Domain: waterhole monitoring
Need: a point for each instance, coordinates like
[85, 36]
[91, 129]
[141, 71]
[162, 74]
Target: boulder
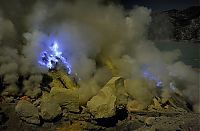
[27, 112]
[66, 98]
[50, 110]
[58, 97]
[103, 105]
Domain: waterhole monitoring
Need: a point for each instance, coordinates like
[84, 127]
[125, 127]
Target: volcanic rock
[149, 121]
[64, 91]
[174, 103]
[156, 105]
[135, 105]
[66, 98]
[183, 24]
[61, 79]
[184, 122]
[37, 102]
[27, 112]
[58, 97]
[122, 96]
[178, 102]
[49, 109]
[103, 105]
[75, 116]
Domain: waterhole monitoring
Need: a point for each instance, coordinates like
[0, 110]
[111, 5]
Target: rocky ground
[111, 109]
[152, 121]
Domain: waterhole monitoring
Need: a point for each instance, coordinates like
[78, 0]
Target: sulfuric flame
[52, 56]
[147, 74]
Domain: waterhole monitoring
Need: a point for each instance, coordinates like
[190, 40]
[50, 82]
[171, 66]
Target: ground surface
[155, 121]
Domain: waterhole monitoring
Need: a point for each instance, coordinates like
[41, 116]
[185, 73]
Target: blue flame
[147, 74]
[52, 55]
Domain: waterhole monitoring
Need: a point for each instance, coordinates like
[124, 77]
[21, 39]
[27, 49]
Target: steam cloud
[91, 36]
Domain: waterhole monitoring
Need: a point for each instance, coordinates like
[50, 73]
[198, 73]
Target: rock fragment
[27, 112]
[103, 105]
[50, 110]
[135, 105]
[66, 98]
[149, 121]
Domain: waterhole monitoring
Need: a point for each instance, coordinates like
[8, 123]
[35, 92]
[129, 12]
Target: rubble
[177, 122]
[174, 103]
[112, 106]
[156, 104]
[103, 105]
[63, 94]
[101, 112]
[58, 97]
[75, 126]
[73, 116]
[27, 112]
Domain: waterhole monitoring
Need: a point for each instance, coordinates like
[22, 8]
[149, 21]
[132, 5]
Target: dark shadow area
[55, 120]
[121, 114]
[3, 117]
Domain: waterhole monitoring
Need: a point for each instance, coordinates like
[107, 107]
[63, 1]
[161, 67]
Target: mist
[99, 41]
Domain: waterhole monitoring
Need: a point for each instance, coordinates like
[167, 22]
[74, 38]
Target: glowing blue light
[147, 74]
[51, 56]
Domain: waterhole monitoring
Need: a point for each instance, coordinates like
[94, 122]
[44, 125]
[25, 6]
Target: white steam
[91, 37]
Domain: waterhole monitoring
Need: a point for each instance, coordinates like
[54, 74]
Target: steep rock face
[177, 24]
[27, 112]
[103, 105]
[186, 23]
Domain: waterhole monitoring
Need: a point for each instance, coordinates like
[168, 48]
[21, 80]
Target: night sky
[160, 4]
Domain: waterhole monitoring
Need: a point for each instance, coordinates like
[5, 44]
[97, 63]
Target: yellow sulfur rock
[103, 105]
[61, 79]
[135, 106]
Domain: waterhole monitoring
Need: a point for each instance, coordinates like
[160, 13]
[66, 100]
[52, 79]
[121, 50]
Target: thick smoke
[13, 65]
[99, 42]
[8, 55]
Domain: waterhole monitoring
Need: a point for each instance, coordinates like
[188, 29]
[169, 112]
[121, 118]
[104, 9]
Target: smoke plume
[99, 41]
